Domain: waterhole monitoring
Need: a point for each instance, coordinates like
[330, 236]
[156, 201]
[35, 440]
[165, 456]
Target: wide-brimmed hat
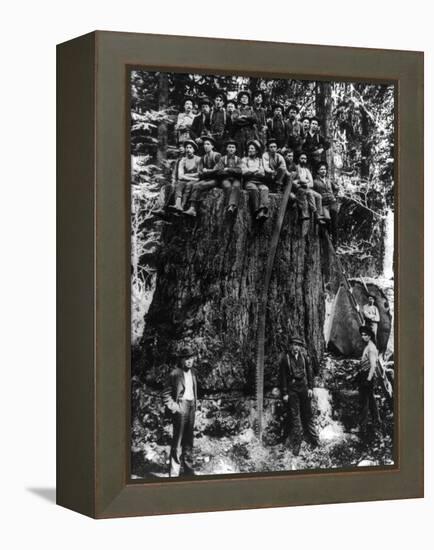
[312, 118]
[364, 329]
[244, 92]
[297, 340]
[255, 143]
[277, 106]
[190, 142]
[206, 137]
[185, 351]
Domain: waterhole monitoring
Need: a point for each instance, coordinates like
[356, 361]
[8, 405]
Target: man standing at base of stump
[180, 397]
[366, 382]
[296, 385]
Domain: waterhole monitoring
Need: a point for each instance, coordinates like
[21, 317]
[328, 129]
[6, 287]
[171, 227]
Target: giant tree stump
[210, 275]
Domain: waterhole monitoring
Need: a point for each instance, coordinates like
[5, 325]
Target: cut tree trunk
[209, 280]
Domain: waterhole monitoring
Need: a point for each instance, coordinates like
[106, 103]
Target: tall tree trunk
[324, 111]
[163, 99]
[209, 280]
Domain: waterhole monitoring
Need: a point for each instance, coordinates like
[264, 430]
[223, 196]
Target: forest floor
[225, 442]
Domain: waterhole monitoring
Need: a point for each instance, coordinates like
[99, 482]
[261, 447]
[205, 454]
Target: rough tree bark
[210, 274]
[163, 100]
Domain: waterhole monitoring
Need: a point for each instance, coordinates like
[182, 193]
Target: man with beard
[274, 167]
[253, 174]
[315, 145]
[307, 198]
[296, 386]
[277, 127]
[244, 121]
[218, 121]
[327, 189]
[180, 397]
[261, 116]
[208, 170]
[229, 170]
[184, 121]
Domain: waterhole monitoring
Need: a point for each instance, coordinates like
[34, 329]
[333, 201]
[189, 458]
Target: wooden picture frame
[93, 362]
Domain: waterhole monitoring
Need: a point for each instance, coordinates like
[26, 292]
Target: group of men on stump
[230, 140]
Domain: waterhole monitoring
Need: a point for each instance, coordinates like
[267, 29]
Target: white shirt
[188, 381]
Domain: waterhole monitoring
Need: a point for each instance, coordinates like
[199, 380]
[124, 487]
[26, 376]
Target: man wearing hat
[277, 127]
[371, 314]
[315, 145]
[366, 380]
[293, 127]
[244, 122]
[307, 197]
[327, 188]
[180, 397]
[229, 171]
[188, 173]
[218, 121]
[208, 171]
[274, 167]
[261, 116]
[252, 169]
[201, 123]
[184, 121]
[296, 386]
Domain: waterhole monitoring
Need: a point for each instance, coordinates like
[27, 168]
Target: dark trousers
[368, 404]
[277, 182]
[232, 189]
[166, 195]
[258, 195]
[301, 417]
[331, 211]
[202, 187]
[181, 450]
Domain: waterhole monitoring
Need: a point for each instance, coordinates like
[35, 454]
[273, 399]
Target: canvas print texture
[262, 276]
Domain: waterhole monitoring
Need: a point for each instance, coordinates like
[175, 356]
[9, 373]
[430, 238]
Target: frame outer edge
[75, 384]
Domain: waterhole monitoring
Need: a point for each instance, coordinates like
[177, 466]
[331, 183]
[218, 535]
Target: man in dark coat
[261, 116]
[180, 397]
[218, 121]
[296, 385]
[243, 122]
[315, 145]
[201, 123]
[277, 128]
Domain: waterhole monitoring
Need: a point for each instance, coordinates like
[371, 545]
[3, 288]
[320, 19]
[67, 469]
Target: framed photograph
[240, 270]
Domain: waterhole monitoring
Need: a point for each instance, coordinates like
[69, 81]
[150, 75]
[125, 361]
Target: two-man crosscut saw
[262, 310]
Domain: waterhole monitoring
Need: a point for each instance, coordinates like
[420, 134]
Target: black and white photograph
[262, 274]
